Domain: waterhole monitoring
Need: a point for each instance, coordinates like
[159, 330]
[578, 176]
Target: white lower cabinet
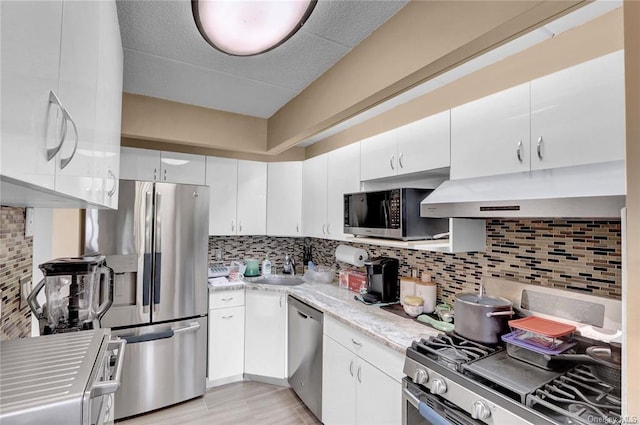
[226, 337]
[360, 379]
[265, 336]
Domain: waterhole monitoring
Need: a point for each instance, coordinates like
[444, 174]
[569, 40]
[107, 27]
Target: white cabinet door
[491, 135]
[77, 89]
[182, 168]
[343, 176]
[222, 179]
[425, 144]
[139, 164]
[30, 52]
[226, 342]
[577, 114]
[314, 196]
[378, 156]
[108, 107]
[252, 198]
[338, 384]
[378, 397]
[284, 198]
[265, 334]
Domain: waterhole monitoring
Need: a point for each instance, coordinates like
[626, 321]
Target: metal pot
[481, 318]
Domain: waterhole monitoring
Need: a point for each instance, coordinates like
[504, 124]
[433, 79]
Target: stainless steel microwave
[393, 214]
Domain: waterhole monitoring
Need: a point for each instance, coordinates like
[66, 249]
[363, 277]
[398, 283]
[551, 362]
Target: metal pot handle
[500, 313]
[32, 300]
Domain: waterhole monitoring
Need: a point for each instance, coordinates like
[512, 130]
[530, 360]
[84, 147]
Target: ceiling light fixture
[247, 28]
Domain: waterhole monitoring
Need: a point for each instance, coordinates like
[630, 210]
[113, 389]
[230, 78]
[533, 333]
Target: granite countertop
[390, 329]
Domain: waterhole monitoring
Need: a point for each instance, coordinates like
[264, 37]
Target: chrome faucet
[289, 265]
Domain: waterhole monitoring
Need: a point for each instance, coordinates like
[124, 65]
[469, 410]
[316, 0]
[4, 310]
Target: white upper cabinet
[62, 85]
[425, 144]
[577, 114]
[252, 198]
[30, 68]
[170, 167]
[343, 176]
[378, 157]
[314, 196]
[108, 108]
[284, 198]
[416, 147]
[222, 179]
[491, 135]
[182, 168]
[139, 164]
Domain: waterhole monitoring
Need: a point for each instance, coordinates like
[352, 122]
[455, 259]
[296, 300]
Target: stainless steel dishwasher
[305, 354]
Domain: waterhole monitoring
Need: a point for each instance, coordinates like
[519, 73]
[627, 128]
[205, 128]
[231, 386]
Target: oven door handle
[426, 412]
[107, 387]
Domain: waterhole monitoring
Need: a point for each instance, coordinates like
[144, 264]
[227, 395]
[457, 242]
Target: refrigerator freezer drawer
[164, 364]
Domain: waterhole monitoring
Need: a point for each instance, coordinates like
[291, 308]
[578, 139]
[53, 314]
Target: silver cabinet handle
[232, 226]
[360, 374]
[280, 302]
[539, 148]
[155, 174]
[400, 160]
[65, 161]
[226, 299]
[297, 228]
[351, 367]
[519, 151]
[328, 231]
[323, 232]
[240, 226]
[391, 162]
[227, 317]
[356, 343]
[51, 152]
[193, 326]
[115, 182]
[107, 387]
[165, 174]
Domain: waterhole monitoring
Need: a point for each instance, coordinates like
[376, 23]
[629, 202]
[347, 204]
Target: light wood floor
[234, 404]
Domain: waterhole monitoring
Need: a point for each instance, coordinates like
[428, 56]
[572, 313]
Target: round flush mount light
[247, 28]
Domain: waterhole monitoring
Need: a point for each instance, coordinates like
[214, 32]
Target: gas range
[452, 380]
[466, 382]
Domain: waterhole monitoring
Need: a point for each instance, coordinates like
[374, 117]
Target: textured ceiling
[165, 56]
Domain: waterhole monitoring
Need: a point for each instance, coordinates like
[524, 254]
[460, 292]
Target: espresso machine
[78, 290]
[382, 280]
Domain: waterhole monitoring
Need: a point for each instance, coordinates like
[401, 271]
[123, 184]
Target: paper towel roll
[353, 256]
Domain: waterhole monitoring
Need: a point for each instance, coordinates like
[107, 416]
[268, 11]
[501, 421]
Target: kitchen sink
[276, 279]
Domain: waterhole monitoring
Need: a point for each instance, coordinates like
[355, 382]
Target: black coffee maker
[382, 280]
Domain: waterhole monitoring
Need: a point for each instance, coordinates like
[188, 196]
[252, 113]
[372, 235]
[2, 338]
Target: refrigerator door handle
[146, 268]
[157, 272]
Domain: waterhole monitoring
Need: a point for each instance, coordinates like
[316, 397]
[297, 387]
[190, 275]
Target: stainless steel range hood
[593, 190]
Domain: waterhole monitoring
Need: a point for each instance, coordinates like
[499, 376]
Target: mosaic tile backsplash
[15, 262]
[577, 255]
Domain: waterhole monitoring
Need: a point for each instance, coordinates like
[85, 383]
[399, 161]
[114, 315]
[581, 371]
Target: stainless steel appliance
[382, 280]
[393, 214]
[305, 354]
[156, 243]
[60, 379]
[451, 379]
[79, 291]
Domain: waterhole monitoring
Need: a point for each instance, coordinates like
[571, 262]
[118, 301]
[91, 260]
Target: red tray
[540, 326]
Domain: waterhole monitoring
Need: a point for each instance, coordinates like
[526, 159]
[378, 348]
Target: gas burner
[452, 350]
[578, 397]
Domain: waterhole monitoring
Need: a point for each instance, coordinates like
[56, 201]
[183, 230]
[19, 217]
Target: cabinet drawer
[384, 358]
[225, 299]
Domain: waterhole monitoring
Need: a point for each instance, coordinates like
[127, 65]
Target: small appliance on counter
[382, 280]
[79, 291]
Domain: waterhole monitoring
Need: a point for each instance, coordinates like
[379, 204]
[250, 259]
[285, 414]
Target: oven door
[419, 407]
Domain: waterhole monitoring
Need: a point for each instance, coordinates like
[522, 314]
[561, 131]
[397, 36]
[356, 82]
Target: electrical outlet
[28, 223]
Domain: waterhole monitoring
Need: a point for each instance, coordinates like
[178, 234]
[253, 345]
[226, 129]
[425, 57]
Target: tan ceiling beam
[153, 119]
[421, 41]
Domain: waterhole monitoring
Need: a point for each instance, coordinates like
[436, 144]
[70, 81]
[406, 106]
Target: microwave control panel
[394, 209]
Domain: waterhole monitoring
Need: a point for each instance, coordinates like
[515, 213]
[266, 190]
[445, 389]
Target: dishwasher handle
[304, 310]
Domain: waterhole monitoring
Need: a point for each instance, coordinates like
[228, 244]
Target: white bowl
[413, 310]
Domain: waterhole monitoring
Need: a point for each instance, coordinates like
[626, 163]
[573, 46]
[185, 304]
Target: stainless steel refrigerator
[156, 243]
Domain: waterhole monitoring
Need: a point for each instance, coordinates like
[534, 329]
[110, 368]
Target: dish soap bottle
[266, 266]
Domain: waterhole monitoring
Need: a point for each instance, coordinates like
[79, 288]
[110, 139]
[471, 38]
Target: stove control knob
[420, 376]
[480, 410]
[438, 386]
